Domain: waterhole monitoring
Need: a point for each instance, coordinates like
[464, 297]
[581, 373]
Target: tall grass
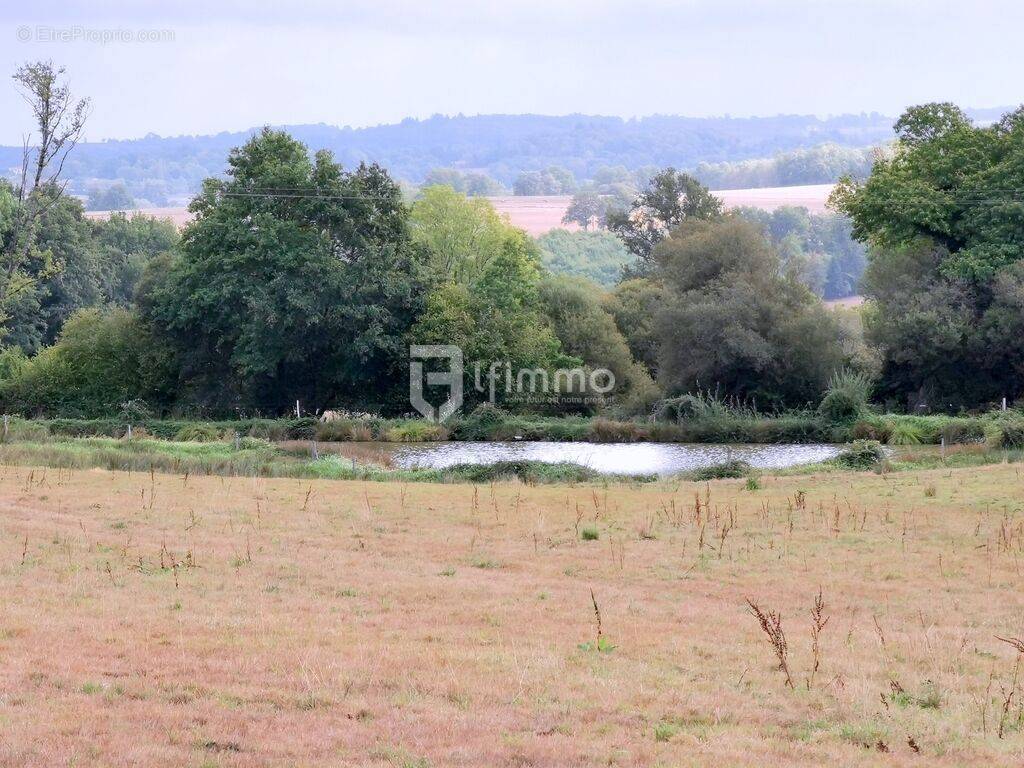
[259, 458]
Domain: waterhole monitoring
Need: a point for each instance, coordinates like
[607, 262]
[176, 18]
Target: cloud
[233, 64]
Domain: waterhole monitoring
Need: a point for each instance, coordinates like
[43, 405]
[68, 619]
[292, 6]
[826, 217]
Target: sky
[204, 66]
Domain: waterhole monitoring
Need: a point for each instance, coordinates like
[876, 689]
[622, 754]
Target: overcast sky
[232, 64]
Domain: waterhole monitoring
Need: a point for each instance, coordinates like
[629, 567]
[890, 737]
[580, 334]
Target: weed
[664, 731]
[771, 625]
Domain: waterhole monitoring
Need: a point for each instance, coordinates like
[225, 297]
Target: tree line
[157, 169]
[300, 280]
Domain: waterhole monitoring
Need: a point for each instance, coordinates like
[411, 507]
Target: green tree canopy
[597, 256]
[587, 330]
[950, 183]
[670, 198]
[461, 235]
[945, 222]
[297, 280]
[101, 360]
[735, 322]
[495, 315]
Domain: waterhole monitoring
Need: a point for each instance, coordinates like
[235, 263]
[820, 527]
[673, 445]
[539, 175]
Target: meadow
[175, 619]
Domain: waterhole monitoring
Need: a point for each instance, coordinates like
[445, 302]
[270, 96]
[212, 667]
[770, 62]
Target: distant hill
[161, 171]
[164, 169]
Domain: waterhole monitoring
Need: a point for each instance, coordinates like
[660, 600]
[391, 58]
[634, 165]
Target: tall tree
[945, 222]
[461, 235]
[734, 321]
[297, 280]
[578, 312]
[670, 198]
[59, 121]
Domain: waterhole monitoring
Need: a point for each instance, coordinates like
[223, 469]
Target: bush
[871, 430]
[905, 433]
[416, 432]
[101, 360]
[268, 429]
[862, 454]
[846, 398]
[604, 431]
[23, 430]
[531, 472]
[198, 433]
[481, 424]
[302, 429]
[335, 431]
[1005, 430]
[729, 469]
[963, 431]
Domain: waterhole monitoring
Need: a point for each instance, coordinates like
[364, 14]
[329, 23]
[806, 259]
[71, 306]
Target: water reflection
[611, 458]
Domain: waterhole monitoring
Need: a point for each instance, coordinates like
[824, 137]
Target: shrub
[1005, 430]
[862, 454]
[871, 430]
[847, 396]
[416, 432]
[101, 360]
[24, 430]
[362, 432]
[604, 431]
[728, 469]
[530, 472]
[481, 424]
[198, 433]
[335, 431]
[253, 444]
[963, 431]
[302, 429]
[268, 429]
[905, 433]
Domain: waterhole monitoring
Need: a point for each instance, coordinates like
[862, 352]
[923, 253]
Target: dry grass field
[541, 213]
[206, 621]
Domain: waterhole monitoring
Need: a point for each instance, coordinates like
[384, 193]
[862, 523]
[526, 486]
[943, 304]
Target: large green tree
[297, 281]
[494, 314]
[670, 198]
[586, 329]
[461, 235]
[735, 322]
[59, 122]
[945, 221]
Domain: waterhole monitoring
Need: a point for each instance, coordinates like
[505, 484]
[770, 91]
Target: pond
[609, 458]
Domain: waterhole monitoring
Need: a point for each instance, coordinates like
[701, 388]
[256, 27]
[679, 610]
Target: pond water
[610, 458]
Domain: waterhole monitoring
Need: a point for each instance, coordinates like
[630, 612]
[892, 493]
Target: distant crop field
[539, 214]
[169, 620]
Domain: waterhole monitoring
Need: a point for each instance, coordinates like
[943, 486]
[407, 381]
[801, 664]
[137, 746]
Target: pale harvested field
[205, 621]
[539, 214]
[849, 302]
